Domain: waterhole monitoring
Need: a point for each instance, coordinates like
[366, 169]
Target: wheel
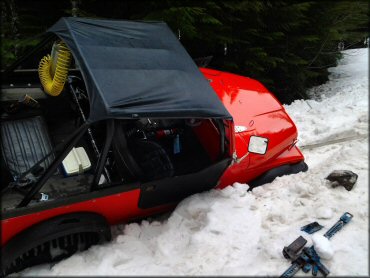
[282, 170]
[54, 239]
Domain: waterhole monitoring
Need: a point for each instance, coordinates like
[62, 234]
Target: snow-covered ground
[235, 232]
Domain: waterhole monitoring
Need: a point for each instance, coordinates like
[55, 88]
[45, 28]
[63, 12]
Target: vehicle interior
[36, 127]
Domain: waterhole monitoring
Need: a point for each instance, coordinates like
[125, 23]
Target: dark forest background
[287, 45]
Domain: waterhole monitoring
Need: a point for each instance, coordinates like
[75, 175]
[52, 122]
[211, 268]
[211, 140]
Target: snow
[324, 212]
[322, 246]
[235, 232]
[339, 108]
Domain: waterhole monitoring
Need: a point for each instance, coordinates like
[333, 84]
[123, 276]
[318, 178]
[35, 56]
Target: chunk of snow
[322, 246]
[324, 212]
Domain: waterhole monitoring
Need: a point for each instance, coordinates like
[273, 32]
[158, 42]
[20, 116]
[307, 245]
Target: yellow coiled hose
[53, 85]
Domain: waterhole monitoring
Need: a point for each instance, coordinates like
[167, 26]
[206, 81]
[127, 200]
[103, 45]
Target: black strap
[24, 174]
[53, 151]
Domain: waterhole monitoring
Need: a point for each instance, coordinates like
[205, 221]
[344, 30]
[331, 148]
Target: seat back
[25, 142]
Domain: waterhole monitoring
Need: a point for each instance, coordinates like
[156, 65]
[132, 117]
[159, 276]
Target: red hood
[243, 97]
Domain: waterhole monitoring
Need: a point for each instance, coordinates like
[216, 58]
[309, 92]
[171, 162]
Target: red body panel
[115, 208]
[251, 106]
[255, 108]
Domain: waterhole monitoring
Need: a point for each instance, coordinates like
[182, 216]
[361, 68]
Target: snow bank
[339, 107]
[235, 232]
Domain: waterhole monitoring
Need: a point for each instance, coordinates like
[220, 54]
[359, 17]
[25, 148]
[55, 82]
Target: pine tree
[287, 45]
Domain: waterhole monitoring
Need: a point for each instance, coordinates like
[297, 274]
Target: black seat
[24, 143]
[140, 159]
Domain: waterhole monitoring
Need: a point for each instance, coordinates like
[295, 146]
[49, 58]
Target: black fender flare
[46, 231]
[270, 175]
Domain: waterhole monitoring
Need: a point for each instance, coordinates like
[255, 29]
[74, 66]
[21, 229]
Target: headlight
[240, 128]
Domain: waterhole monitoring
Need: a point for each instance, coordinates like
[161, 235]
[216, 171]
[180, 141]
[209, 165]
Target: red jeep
[118, 124]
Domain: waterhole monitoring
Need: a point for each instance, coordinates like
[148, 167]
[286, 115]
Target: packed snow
[235, 232]
[322, 246]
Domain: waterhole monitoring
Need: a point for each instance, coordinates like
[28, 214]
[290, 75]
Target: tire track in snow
[335, 141]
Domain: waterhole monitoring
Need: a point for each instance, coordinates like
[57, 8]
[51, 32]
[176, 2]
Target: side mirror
[257, 144]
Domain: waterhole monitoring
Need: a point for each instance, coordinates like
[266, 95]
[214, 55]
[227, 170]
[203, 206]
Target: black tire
[54, 239]
[282, 170]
